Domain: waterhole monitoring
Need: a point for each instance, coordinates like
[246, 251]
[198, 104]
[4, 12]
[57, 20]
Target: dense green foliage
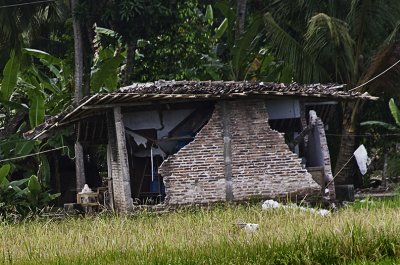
[21, 198]
[348, 42]
[128, 41]
[123, 41]
[336, 41]
[390, 144]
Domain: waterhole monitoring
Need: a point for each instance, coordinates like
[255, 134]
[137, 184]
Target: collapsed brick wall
[196, 173]
[260, 163]
[320, 133]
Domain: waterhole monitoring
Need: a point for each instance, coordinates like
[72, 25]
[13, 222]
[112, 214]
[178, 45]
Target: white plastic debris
[304, 209]
[323, 212]
[271, 204]
[139, 140]
[362, 158]
[268, 204]
[146, 153]
[249, 227]
[367, 201]
[84, 193]
[86, 189]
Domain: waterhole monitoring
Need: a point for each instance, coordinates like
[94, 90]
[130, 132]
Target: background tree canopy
[124, 41]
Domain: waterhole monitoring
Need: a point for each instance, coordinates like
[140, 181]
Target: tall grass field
[364, 233]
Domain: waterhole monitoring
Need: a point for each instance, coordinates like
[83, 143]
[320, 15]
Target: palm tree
[20, 25]
[78, 91]
[78, 55]
[240, 18]
[339, 41]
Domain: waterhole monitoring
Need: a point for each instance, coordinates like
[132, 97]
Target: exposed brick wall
[119, 163]
[261, 163]
[196, 173]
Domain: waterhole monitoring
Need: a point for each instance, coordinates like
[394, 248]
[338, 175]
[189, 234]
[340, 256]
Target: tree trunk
[347, 174]
[88, 52]
[130, 60]
[79, 166]
[240, 18]
[78, 49]
[347, 144]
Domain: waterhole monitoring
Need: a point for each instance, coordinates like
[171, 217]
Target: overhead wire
[365, 135]
[27, 3]
[375, 77]
[38, 153]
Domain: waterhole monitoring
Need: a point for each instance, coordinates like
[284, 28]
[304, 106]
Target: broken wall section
[196, 173]
[262, 164]
[235, 156]
[318, 151]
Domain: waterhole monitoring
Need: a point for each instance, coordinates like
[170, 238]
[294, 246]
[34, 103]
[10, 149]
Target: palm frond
[381, 124]
[394, 35]
[372, 20]
[337, 8]
[241, 53]
[388, 84]
[395, 111]
[292, 52]
[328, 40]
[299, 11]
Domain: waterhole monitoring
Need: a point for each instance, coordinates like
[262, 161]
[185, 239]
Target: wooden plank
[226, 123]
[94, 130]
[141, 179]
[79, 167]
[57, 175]
[109, 173]
[87, 123]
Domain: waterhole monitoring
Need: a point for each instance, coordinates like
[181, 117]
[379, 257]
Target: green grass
[360, 234]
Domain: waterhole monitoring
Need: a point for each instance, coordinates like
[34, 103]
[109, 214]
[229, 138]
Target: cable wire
[365, 135]
[372, 79]
[38, 153]
[29, 3]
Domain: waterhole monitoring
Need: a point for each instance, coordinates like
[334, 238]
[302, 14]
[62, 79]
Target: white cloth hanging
[362, 158]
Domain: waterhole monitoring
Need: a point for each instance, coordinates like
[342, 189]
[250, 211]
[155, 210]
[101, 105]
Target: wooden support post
[79, 167]
[226, 123]
[109, 171]
[385, 165]
[57, 175]
[303, 121]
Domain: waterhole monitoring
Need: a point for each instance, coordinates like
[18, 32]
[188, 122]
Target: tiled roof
[221, 88]
[186, 91]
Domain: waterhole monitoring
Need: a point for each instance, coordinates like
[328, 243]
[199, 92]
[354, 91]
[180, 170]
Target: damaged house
[184, 142]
